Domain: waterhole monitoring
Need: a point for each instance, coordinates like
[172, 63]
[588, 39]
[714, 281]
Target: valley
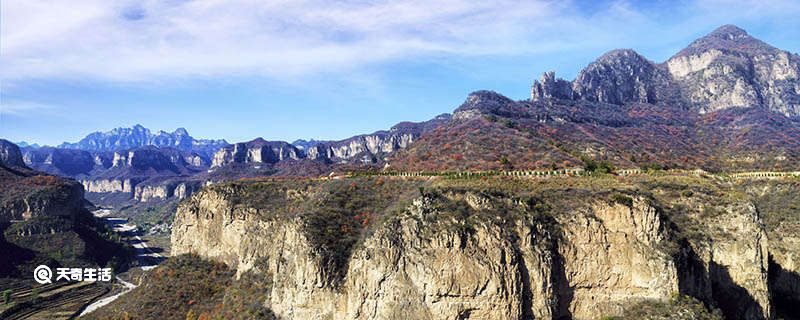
[637, 190]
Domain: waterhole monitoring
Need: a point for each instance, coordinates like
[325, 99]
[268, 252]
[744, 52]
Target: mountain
[256, 151]
[139, 136]
[726, 102]
[729, 68]
[10, 154]
[23, 144]
[319, 156]
[646, 247]
[43, 221]
[306, 144]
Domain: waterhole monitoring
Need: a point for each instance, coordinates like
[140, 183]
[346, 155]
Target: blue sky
[283, 70]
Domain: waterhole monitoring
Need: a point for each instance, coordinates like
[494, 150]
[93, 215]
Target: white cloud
[133, 40]
[155, 39]
[24, 108]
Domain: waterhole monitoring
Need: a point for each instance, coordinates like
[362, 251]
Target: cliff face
[10, 154]
[459, 253]
[109, 185]
[729, 68]
[256, 151]
[371, 147]
[611, 254]
[725, 69]
[26, 194]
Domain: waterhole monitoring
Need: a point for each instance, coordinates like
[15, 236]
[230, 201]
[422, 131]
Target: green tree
[504, 161]
[7, 296]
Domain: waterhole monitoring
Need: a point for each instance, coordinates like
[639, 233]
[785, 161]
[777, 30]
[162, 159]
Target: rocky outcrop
[65, 162]
[109, 185]
[623, 76]
[375, 146]
[157, 191]
[10, 154]
[596, 257]
[611, 255]
[256, 151]
[725, 69]
[617, 77]
[729, 68]
[482, 102]
[550, 87]
[27, 194]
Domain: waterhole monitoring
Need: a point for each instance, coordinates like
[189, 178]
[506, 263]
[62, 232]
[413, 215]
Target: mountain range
[690, 245]
[727, 102]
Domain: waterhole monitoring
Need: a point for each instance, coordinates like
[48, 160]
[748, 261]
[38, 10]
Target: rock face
[729, 68]
[482, 102]
[10, 154]
[25, 194]
[375, 146]
[601, 281]
[169, 189]
[622, 76]
[456, 254]
[109, 185]
[256, 151]
[144, 173]
[725, 69]
[65, 162]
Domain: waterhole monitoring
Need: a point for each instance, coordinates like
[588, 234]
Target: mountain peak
[617, 54]
[181, 131]
[727, 38]
[729, 32]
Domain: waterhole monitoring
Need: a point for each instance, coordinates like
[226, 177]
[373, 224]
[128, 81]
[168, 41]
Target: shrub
[622, 199]
[7, 296]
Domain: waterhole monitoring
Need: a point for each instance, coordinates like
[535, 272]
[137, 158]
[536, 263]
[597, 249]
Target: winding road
[148, 258]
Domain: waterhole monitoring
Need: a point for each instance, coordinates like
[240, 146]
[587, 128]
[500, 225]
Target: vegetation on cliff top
[189, 287]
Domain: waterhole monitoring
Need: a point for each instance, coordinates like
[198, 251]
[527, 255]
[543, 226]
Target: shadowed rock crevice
[734, 300]
[565, 293]
[784, 285]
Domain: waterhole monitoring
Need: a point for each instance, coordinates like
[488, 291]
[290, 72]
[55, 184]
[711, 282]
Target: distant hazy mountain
[306, 144]
[139, 136]
[23, 144]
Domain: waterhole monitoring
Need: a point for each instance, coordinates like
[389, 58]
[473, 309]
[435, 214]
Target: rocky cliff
[631, 112]
[10, 154]
[729, 68]
[27, 194]
[725, 69]
[374, 147]
[452, 249]
[256, 151]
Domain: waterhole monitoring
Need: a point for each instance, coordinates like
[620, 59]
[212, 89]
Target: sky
[291, 69]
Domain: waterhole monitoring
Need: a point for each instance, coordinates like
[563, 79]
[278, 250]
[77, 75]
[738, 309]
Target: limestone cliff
[109, 185]
[10, 154]
[256, 151]
[456, 252]
[725, 69]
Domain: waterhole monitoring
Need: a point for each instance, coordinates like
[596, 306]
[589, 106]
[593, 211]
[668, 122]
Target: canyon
[444, 248]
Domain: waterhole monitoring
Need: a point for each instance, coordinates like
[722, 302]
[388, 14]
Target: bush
[7, 296]
[622, 199]
[592, 166]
